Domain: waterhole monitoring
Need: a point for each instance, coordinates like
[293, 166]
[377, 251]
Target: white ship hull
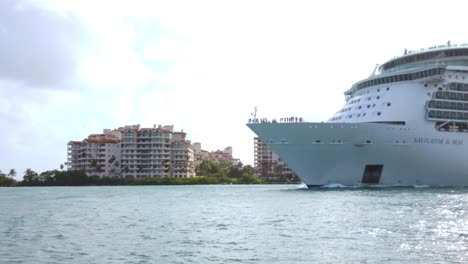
[338, 153]
[405, 125]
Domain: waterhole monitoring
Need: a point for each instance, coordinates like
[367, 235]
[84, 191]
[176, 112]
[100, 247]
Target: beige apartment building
[134, 152]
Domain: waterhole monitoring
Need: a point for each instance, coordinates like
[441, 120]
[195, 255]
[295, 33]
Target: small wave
[421, 186]
[335, 185]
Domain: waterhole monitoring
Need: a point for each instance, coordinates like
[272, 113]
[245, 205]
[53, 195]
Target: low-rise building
[218, 155]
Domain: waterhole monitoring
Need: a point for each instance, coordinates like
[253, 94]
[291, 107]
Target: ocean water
[233, 224]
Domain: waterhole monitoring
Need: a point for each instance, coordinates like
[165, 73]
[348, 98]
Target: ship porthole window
[378, 97]
[389, 104]
[368, 106]
[378, 90]
[364, 114]
[388, 88]
[378, 113]
[359, 107]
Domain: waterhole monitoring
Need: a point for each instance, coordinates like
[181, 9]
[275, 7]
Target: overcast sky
[72, 68]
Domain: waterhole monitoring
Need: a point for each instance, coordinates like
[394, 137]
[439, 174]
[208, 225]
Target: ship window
[378, 90]
[378, 97]
[373, 105]
[378, 113]
[389, 104]
[368, 106]
[388, 88]
[364, 114]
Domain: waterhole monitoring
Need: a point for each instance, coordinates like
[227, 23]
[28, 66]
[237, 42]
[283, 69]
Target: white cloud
[200, 65]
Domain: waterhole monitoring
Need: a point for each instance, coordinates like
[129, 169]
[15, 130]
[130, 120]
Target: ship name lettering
[422, 140]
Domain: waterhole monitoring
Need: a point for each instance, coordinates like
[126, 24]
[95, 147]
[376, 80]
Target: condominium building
[156, 152]
[268, 165]
[97, 155]
[183, 158]
[135, 152]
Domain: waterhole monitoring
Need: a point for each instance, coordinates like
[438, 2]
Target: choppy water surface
[233, 224]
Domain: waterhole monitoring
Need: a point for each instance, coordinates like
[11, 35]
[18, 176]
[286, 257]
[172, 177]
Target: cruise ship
[405, 125]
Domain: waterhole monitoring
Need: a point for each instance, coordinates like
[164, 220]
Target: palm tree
[30, 175]
[12, 173]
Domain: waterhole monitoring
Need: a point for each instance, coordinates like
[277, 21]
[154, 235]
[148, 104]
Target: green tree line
[208, 172]
[8, 179]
